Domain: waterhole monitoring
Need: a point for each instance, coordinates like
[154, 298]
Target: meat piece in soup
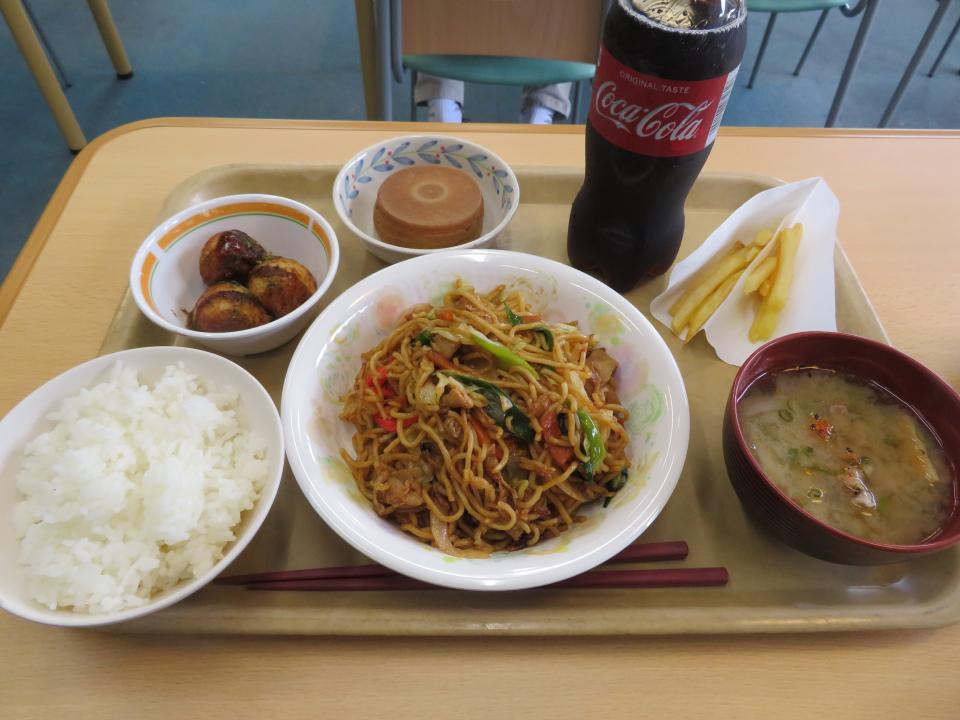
[849, 453]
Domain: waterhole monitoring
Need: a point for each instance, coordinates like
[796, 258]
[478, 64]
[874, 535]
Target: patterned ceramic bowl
[358, 182]
[327, 360]
[165, 277]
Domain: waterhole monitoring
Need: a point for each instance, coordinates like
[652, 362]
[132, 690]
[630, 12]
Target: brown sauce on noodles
[480, 427]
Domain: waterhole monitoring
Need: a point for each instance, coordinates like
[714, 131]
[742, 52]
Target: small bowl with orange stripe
[165, 274]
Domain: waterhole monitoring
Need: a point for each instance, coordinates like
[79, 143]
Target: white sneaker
[537, 115]
[444, 110]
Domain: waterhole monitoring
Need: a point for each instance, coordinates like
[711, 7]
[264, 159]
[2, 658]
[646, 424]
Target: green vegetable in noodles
[616, 485]
[505, 357]
[547, 336]
[592, 444]
[500, 407]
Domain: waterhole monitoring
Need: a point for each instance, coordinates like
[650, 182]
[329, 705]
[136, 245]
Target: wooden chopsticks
[377, 577]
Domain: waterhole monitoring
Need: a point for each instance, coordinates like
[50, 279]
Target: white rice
[135, 489]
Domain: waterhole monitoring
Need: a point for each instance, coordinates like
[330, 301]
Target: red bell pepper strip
[482, 437]
[480, 430]
[561, 454]
[440, 361]
[381, 382]
[823, 428]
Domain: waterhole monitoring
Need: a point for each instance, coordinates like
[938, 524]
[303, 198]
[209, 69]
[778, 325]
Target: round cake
[428, 206]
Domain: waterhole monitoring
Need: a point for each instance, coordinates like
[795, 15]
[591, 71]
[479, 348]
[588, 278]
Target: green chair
[486, 69]
[492, 70]
[848, 7]
[775, 7]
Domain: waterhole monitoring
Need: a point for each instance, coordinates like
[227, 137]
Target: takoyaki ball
[281, 284]
[225, 307]
[229, 255]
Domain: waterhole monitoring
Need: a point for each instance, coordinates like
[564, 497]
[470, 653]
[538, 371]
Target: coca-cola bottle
[665, 72]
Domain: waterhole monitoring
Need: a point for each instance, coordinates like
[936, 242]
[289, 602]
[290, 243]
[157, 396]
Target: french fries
[702, 274]
[765, 321]
[771, 279]
[759, 274]
[763, 237]
[709, 306]
[789, 242]
[699, 292]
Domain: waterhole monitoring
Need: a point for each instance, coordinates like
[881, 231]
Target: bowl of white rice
[131, 481]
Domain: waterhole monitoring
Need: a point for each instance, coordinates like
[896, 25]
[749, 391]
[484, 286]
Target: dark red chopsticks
[377, 577]
[679, 577]
[327, 573]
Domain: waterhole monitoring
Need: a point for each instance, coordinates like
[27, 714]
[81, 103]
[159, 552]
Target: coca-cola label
[650, 115]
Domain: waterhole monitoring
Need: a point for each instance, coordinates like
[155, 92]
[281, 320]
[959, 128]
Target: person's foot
[536, 114]
[444, 110]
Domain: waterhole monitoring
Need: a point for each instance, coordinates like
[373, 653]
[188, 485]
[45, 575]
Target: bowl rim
[747, 375]
[29, 609]
[333, 264]
[674, 452]
[416, 252]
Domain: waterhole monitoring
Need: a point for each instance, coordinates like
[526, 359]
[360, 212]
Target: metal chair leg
[413, 95]
[811, 41]
[384, 79]
[26, 39]
[763, 48]
[111, 38]
[946, 46]
[396, 52]
[855, 50]
[914, 61]
[575, 108]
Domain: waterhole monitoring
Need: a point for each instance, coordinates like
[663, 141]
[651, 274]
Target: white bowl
[27, 420]
[358, 182]
[165, 275]
[327, 360]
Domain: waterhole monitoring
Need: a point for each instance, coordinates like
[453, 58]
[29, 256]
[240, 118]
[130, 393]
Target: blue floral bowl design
[358, 182]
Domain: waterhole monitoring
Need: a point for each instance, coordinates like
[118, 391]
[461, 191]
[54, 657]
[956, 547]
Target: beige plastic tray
[772, 588]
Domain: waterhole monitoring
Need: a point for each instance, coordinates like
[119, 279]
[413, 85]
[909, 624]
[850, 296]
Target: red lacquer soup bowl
[927, 394]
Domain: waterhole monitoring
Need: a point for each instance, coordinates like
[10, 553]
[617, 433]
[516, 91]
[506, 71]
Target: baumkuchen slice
[427, 206]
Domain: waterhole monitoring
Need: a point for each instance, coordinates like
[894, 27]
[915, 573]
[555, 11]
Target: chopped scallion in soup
[849, 453]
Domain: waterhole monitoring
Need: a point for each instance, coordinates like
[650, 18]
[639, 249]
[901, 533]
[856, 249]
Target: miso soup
[849, 453]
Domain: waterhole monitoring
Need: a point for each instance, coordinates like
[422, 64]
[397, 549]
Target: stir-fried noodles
[481, 427]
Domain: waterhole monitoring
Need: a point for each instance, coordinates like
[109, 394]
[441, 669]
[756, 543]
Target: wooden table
[899, 226]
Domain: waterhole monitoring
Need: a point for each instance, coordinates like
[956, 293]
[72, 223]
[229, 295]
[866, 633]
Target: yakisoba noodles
[481, 427]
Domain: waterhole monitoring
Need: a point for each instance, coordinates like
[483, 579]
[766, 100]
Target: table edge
[36, 241]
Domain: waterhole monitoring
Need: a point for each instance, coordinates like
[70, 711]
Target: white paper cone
[811, 305]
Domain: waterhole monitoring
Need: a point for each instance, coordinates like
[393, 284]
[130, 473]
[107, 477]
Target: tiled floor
[298, 59]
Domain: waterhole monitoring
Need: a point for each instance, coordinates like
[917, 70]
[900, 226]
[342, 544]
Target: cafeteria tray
[772, 587]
